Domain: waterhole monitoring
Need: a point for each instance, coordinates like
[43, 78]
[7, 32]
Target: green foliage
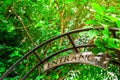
[97, 8]
[38, 77]
[25, 24]
[107, 18]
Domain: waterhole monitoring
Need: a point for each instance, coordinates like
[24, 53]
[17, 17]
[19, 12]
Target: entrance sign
[100, 60]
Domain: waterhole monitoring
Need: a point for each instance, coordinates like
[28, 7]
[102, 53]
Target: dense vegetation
[25, 24]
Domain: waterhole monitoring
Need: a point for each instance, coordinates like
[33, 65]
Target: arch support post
[72, 42]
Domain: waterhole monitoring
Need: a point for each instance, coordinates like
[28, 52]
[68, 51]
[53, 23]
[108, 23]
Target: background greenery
[26, 23]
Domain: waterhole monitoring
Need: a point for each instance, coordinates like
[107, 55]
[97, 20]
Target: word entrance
[100, 60]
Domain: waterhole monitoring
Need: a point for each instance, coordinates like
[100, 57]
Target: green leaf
[92, 33]
[98, 42]
[16, 78]
[111, 43]
[90, 22]
[98, 17]
[95, 50]
[118, 23]
[98, 49]
[111, 18]
[68, 1]
[10, 28]
[53, 48]
[15, 53]
[2, 69]
[106, 32]
[57, 76]
[97, 7]
[8, 1]
[38, 77]
[111, 9]
[105, 39]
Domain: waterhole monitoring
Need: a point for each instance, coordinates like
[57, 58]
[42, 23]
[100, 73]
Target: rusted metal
[48, 41]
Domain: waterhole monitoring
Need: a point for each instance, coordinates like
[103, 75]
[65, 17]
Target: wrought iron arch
[113, 30]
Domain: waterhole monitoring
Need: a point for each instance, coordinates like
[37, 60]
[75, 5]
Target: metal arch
[52, 55]
[56, 53]
[68, 63]
[52, 39]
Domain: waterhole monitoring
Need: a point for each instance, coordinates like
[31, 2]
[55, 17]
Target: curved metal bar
[71, 63]
[114, 62]
[52, 55]
[64, 34]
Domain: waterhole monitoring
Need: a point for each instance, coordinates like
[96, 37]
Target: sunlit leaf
[92, 33]
[10, 28]
[118, 23]
[90, 22]
[111, 18]
[68, 1]
[106, 32]
[111, 43]
[111, 9]
[38, 77]
[97, 7]
[15, 53]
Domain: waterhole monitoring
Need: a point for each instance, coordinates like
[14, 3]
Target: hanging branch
[26, 31]
[20, 19]
[8, 12]
[62, 20]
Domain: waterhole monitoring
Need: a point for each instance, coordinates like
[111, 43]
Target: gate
[67, 59]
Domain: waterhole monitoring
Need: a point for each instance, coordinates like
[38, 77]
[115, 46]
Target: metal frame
[74, 47]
